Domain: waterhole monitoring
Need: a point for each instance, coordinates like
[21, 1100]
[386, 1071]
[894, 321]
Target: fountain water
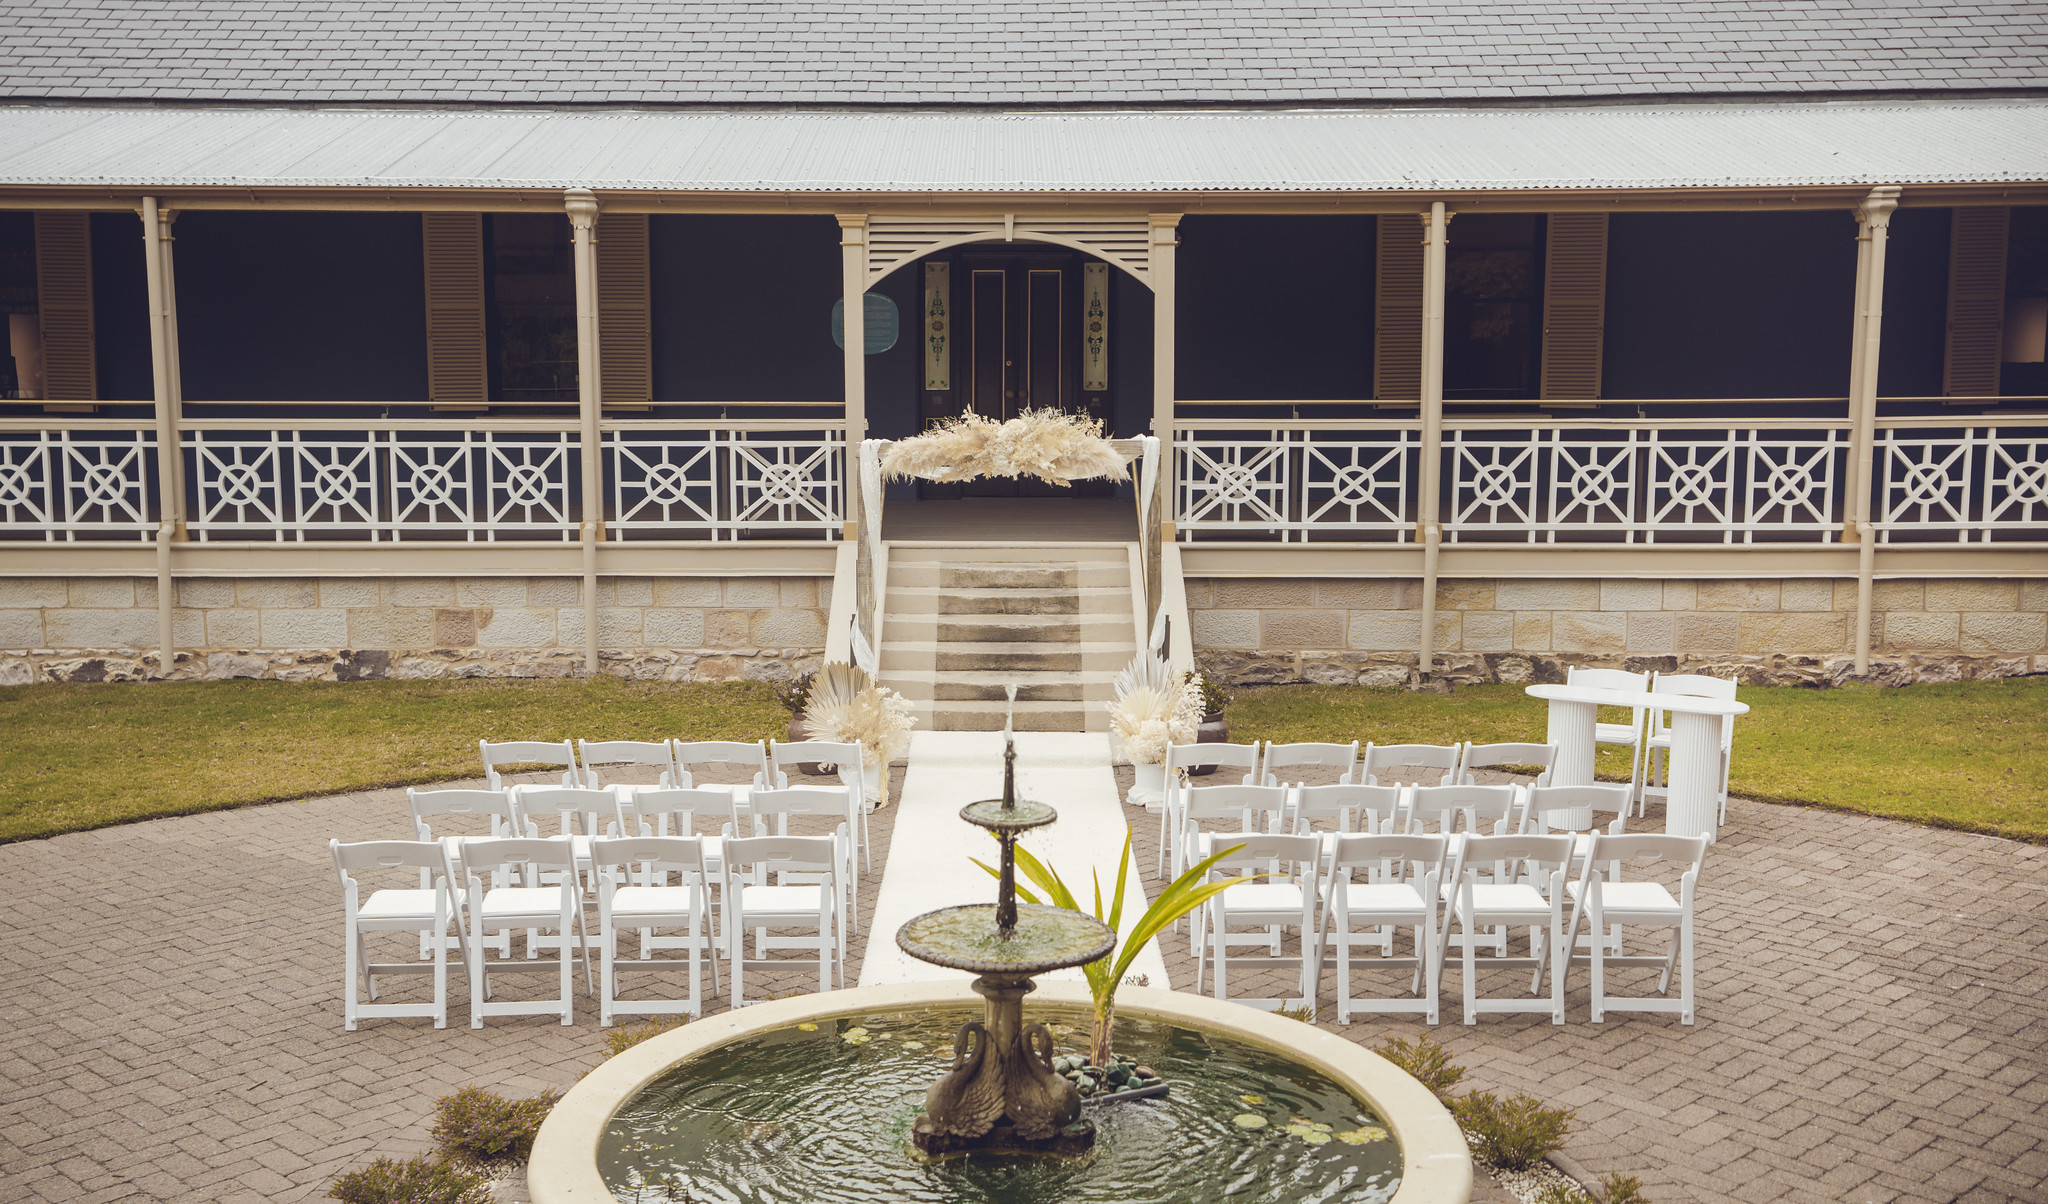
[1003, 1093]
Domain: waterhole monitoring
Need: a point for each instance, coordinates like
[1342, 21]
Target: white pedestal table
[1693, 806]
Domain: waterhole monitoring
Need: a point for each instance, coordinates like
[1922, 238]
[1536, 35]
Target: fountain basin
[1435, 1164]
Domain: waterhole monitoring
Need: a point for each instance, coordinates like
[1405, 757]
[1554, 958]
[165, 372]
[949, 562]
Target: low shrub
[481, 1127]
[1511, 1133]
[619, 1040]
[1429, 1062]
[1560, 1193]
[421, 1180]
[1617, 1188]
[1305, 1014]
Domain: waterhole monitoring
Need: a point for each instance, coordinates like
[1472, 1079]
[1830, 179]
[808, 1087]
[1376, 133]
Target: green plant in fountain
[1107, 972]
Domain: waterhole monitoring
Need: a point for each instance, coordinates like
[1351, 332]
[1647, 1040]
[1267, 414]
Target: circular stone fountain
[814, 1097]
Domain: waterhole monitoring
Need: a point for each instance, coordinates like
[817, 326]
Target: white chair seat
[403, 905]
[1263, 896]
[651, 900]
[1381, 896]
[780, 900]
[1615, 733]
[1493, 898]
[521, 901]
[1633, 898]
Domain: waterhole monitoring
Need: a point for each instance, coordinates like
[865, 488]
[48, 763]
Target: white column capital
[1876, 210]
[582, 206]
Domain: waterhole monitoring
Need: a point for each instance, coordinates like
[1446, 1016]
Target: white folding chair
[647, 900]
[705, 759]
[651, 812]
[434, 812]
[580, 814]
[758, 904]
[606, 759]
[530, 906]
[1554, 808]
[1657, 746]
[772, 811]
[1479, 810]
[1209, 811]
[1284, 897]
[1479, 905]
[1379, 764]
[1405, 896]
[843, 759]
[435, 910]
[1540, 757]
[1180, 757]
[1280, 758]
[1628, 735]
[1608, 900]
[1331, 811]
[553, 754]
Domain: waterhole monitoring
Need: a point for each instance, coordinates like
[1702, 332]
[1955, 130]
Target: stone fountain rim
[1436, 1165]
[1105, 944]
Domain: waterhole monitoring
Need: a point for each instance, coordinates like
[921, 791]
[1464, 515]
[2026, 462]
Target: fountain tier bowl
[1434, 1166]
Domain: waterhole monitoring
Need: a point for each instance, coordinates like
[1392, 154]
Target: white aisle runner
[929, 853]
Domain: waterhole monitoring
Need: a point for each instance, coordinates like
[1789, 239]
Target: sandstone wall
[349, 628]
[1764, 631]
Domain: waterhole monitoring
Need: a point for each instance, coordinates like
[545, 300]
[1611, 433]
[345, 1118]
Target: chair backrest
[1231, 803]
[1545, 802]
[609, 753]
[431, 805]
[1608, 679]
[1693, 685]
[1342, 757]
[1486, 756]
[1354, 808]
[743, 753]
[523, 853]
[829, 801]
[1368, 852]
[1380, 758]
[387, 855]
[844, 758]
[642, 813]
[1230, 756]
[528, 752]
[662, 854]
[568, 803]
[783, 854]
[1478, 804]
[1262, 849]
[1482, 853]
[1687, 851]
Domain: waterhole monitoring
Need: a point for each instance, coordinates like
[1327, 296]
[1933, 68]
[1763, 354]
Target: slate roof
[1011, 52]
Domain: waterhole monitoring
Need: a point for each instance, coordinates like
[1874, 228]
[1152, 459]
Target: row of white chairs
[1345, 893]
[1272, 764]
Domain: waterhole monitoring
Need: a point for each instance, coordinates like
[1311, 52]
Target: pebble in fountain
[1003, 1094]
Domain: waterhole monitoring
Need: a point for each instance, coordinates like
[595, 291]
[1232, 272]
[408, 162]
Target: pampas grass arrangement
[1154, 709]
[846, 706]
[1051, 445]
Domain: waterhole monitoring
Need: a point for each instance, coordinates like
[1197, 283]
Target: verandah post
[1165, 237]
[1873, 218]
[162, 361]
[1436, 223]
[853, 270]
[582, 207]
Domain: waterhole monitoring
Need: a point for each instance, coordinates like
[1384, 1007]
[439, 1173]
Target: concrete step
[904, 551]
[1107, 575]
[1005, 629]
[932, 599]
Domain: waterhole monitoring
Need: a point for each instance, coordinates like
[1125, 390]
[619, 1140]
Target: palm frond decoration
[848, 707]
[1154, 709]
[1051, 445]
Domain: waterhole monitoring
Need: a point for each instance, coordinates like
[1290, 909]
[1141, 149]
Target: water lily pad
[1360, 1136]
[808, 1027]
[1248, 1120]
[913, 1045]
[1313, 1137]
[855, 1036]
[1252, 1100]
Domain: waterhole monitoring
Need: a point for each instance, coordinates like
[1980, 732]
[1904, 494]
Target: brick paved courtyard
[1873, 1020]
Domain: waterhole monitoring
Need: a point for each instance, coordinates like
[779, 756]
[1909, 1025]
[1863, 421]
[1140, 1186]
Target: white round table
[1692, 807]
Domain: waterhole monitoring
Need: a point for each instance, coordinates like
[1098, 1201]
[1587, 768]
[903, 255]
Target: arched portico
[875, 245]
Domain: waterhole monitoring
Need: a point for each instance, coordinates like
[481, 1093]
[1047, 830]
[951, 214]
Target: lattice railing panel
[722, 483]
[1292, 481]
[1956, 482]
[65, 485]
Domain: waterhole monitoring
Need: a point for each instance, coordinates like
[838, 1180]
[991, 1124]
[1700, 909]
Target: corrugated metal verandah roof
[1789, 144]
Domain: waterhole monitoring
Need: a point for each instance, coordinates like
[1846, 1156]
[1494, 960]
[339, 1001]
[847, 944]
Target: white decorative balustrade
[1290, 480]
[722, 481]
[89, 480]
[381, 481]
[1955, 483]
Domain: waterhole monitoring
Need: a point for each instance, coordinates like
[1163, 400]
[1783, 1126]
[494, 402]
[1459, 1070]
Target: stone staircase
[962, 620]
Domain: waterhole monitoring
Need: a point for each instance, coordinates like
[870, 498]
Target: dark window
[18, 296]
[530, 286]
[2024, 372]
[1493, 297]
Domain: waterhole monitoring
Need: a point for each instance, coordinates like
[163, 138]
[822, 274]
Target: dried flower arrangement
[848, 707]
[1154, 708]
[1052, 445]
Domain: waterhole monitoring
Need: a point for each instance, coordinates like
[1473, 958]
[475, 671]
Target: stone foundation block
[1548, 595]
[1995, 632]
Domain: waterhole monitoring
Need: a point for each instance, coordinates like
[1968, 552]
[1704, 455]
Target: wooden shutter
[456, 372]
[1574, 304]
[1976, 301]
[625, 353]
[64, 299]
[1397, 310]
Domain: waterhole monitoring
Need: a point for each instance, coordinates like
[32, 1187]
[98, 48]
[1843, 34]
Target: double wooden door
[1017, 327]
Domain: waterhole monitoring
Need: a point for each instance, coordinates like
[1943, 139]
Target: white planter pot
[871, 786]
[1148, 789]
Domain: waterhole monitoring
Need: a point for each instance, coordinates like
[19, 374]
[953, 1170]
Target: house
[354, 339]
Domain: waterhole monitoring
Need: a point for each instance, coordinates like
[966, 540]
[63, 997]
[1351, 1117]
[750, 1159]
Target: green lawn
[1972, 756]
[85, 756]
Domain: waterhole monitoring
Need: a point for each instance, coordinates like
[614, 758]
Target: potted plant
[1151, 712]
[1213, 728]
[846, 706]
[794, 695]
